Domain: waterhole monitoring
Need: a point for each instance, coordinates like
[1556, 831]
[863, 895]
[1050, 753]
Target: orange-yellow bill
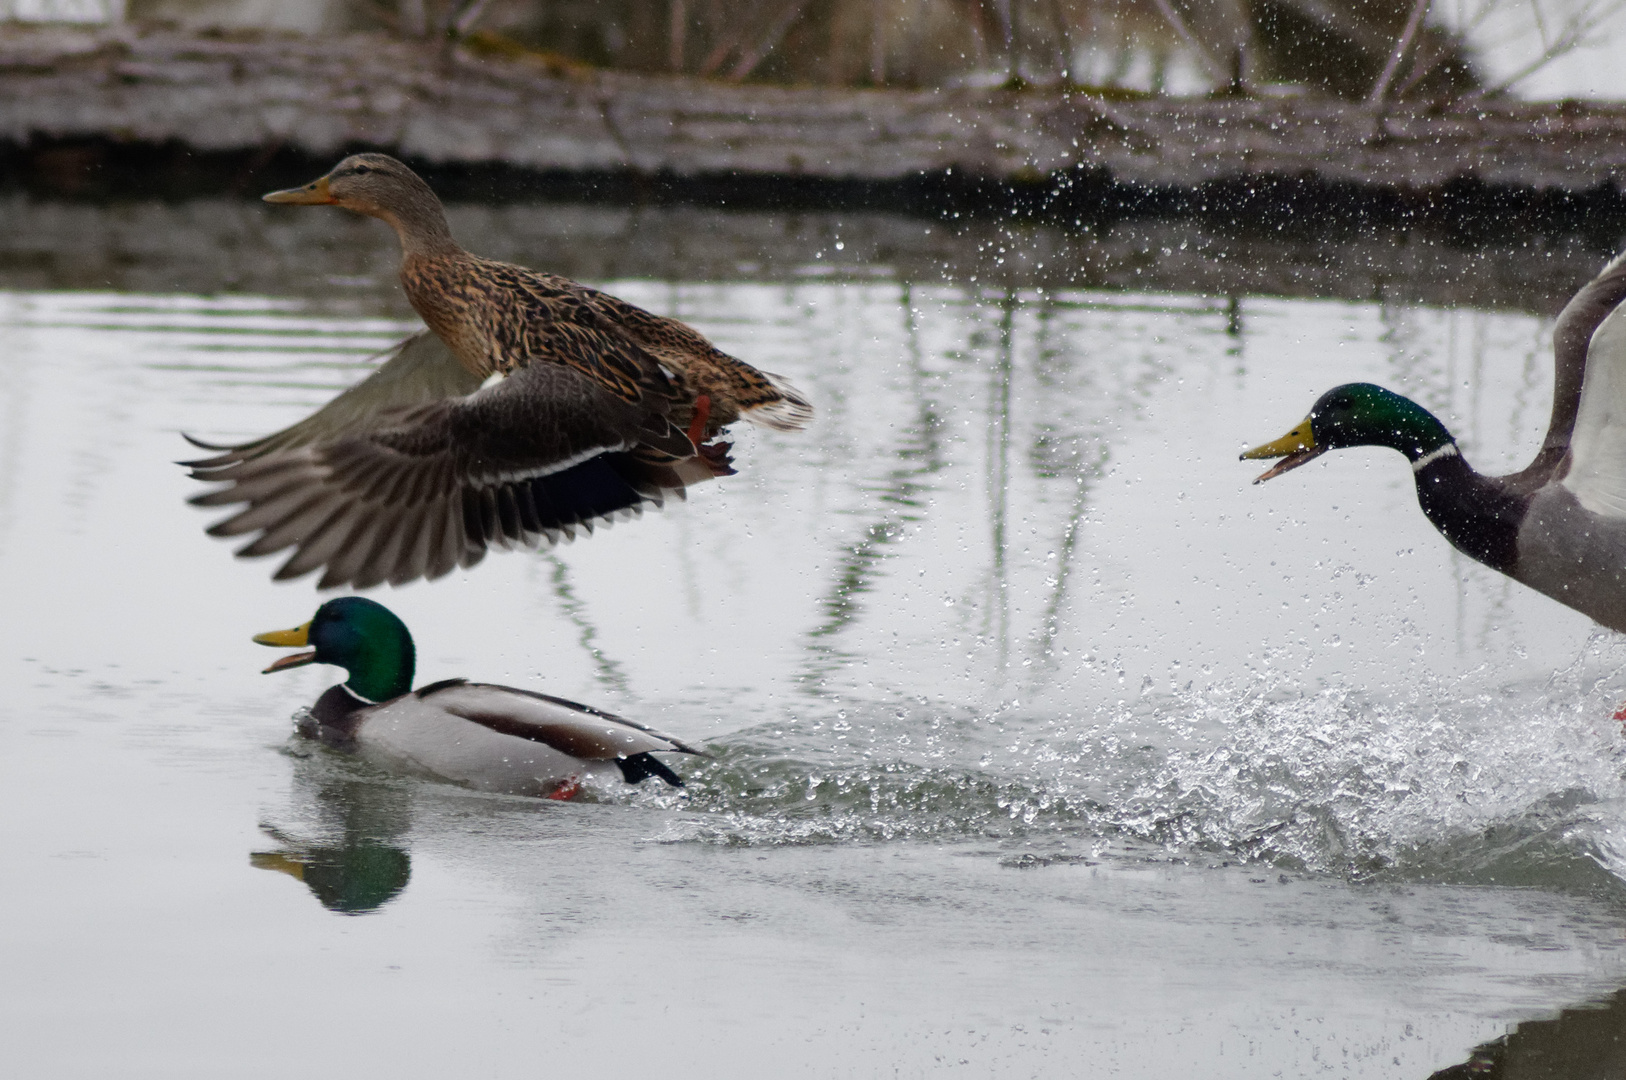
[1295, 448]
[284, 639]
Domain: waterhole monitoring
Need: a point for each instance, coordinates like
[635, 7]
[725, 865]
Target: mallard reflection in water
[352, 878]
[348, 839]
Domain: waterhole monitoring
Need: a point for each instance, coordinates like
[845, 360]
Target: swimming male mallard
[538, 407]
[1558, 525]
[491, 738]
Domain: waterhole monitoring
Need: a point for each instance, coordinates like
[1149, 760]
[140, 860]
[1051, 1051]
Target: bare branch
[1572, 36]
[385, 15]
[472, 11]
[413, 18]
[766, 43]
[1415, 20]
[677, 35]
[1541, 22]
[1179, 26]
[1429, 56]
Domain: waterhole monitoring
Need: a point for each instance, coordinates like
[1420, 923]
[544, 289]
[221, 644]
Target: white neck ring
[1448, 450]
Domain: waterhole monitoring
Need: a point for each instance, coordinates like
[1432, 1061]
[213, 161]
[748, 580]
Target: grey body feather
[499, 739]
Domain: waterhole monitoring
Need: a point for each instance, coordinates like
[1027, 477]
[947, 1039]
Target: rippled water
[1042, 739]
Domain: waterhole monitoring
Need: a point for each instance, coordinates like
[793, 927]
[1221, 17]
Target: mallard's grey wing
[578, 730]
[1597, 446]
[414, 492]
[1572, 345]
[417, 371]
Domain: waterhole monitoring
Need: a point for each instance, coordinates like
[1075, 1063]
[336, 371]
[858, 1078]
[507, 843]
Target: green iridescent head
[360, 635]
[1355, 414]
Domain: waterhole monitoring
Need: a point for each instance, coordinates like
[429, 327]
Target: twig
[1401, 45]
[677, 35]
[721, 51]
[472, 13]
[1573, 36]
[768, 41]
[414, 18]
[877, 43]
[1180, 28]
[1064, 40]
[1429, 55]
[455, 22]
[384, 15]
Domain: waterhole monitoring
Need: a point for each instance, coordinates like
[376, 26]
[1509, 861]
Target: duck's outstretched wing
[578, 730]
[414, 490]
[1596, 472]
[1573, 351]
[417, 371]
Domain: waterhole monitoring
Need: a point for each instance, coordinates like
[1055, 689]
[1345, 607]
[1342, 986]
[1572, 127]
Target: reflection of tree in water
[348, 849]
[607, 670]
[1585, 1043]
[1047, 406]
[919, 455]
[1057, 454]
[997, 615]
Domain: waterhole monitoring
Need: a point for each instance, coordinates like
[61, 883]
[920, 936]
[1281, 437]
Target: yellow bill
[1295, 448]
[278, 861]
[314, 193]
[298, 637]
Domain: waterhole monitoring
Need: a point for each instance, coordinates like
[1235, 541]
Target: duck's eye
[361, 169]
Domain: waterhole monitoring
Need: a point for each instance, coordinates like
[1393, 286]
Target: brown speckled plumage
[497, 317]
[602, 407]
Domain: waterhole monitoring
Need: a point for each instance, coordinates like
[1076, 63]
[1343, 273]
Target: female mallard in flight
[490, 738]
[538, 407]
[1559, 525]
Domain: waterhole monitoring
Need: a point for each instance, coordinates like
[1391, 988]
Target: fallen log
[318, 97]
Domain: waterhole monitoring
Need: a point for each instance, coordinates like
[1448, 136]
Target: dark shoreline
[1465, 212]
[235, 243]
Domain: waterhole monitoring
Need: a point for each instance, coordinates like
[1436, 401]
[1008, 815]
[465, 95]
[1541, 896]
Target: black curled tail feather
[640, 767]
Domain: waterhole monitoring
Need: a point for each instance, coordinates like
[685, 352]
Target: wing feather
[420, 488]
[578, 730]
[417, 371]
[1573, 335]
[1597, 470]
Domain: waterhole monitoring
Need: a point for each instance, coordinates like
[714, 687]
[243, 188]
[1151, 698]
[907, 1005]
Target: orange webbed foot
[702, 413]
[567, 789]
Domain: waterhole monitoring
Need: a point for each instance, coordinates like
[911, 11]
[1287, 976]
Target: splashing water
[1452, 780]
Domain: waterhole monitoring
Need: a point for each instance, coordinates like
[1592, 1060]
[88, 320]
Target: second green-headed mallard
[1558, 525]
[538, 407]
[487, 737]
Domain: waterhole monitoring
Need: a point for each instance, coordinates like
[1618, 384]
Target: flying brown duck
[536, 408]
[1559, 524]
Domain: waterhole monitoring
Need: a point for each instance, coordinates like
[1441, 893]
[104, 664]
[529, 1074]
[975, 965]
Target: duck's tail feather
[640, 767]
[789, 410]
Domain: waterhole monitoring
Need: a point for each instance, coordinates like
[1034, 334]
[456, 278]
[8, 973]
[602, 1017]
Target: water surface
[1045, 744]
